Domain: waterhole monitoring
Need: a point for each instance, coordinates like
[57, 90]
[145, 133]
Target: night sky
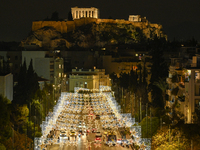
[180, 18]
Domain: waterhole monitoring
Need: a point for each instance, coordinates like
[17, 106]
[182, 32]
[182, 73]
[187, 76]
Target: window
[77, 83]
[81, 84]
[136, 54]
[59, 74]
[59, 66]
[197, 104]
[85, 85]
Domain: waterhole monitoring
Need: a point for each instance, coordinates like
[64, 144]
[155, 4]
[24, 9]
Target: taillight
[98, 139]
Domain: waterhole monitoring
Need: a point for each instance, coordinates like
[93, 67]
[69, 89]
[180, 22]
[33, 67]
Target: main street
[96, 116]
[82, 144]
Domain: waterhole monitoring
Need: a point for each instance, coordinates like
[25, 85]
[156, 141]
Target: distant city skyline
[180, 18]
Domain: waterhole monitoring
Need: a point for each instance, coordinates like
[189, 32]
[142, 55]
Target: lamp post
[169, 134]
[147, 118]
[13, 137]
[140, 109]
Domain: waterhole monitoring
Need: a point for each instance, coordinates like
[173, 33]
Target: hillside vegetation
[93, 35]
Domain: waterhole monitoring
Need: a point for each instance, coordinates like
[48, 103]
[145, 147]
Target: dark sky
[180, 18]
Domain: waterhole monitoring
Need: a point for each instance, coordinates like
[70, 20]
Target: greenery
[28, 109]
[5, 126]
[2, 147]
[172, 140]
[149, 126]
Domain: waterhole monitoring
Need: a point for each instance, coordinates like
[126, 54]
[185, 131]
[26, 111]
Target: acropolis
[78, 13]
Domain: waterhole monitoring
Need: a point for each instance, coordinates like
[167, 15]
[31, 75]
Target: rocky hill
[94, 34]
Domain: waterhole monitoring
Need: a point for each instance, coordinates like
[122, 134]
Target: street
[82, 144]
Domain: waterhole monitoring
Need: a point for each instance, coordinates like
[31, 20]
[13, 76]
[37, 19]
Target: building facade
[136, 18]
[184, 87]
[88, 78]
[6, 86]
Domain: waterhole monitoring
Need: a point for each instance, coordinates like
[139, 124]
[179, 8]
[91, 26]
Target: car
[97, 117]
[98, 134]
[72, 133]
[94, 130]
[63, 134]
[81, 132]
[97, 138]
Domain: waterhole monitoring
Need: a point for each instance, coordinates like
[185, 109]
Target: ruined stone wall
[60, 26]
[66, 26]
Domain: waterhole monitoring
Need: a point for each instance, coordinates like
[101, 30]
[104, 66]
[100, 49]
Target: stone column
[75, 14]
[95, 14]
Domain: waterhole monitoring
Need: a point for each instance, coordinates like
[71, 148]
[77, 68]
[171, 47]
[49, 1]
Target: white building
[46, 66]
[136, 18]
[88, 78]
[6, 86]
[184, 86]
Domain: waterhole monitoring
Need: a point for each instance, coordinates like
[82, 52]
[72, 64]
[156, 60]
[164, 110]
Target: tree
[124, 80]
[2, 147]
[70, 18]
[140, 76]
[160, 140]
[162, 85]
[21, 142]
[32, 82]
[5, 125]
[20, 90]
[133, 80]
[159, 68]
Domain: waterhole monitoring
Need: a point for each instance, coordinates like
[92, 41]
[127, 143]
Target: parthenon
[78, 13]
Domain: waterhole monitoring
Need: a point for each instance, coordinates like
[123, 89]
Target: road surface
[82, 146]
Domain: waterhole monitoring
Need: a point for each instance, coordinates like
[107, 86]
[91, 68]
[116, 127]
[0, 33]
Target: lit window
[136, 54]
[59, 66]
[59, 74]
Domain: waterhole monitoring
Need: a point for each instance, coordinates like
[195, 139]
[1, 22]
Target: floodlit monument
[78, 13]
[136, 18]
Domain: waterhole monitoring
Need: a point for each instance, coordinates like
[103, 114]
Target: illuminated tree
[5, 125]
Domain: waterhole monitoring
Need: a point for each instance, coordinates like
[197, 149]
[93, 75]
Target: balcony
[80, 77]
